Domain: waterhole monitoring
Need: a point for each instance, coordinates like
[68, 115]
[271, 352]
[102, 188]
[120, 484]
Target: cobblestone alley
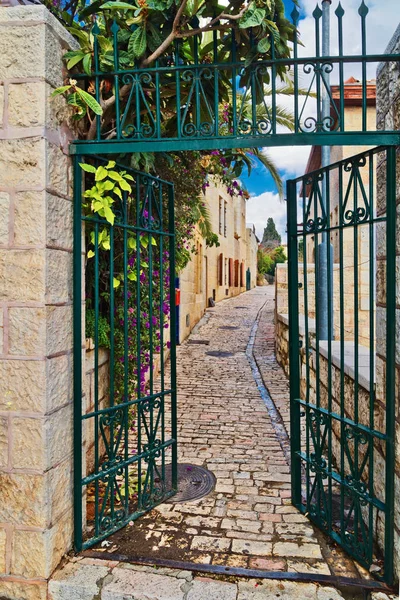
[226, 426]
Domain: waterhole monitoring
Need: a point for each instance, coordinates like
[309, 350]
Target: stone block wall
[35, 303]
[388, 117]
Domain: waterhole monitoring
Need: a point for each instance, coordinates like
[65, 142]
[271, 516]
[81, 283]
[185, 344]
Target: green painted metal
[125, 427]
[248, 280]
[342, 421]
[195, 86]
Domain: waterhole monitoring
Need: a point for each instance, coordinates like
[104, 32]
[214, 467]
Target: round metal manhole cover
[219, 353]
[194, 482]
[228, 327]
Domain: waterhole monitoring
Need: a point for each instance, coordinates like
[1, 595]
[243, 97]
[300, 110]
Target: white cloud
[291, 161]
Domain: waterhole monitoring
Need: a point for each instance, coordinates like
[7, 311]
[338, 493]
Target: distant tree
[271, 237]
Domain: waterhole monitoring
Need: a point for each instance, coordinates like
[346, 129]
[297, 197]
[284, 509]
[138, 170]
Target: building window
[220, 270]
[221, 216]
[230, 272]
[225, 223]
[226, 271]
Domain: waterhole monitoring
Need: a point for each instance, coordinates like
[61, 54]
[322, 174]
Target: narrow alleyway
[230, 425]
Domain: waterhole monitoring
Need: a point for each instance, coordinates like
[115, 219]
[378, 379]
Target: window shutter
[221, 269]
[230, 272]
[236, 273]
[242, 275]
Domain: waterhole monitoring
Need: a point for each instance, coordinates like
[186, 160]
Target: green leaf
[264, 45]
[132, 243]
[105, 43]
[90, 254]
[87, 64]
[74, 60]
[118, 192]
[82, 36]
[137, 43]
[109, 215]
[90, 101]
[61, 90]
[88, 169]
[117, 5]
[108, 185]
[111, 164]
[125, 186]
[114, 175]
[101, 173]
[132, 276]
[252, 18]
[116, 283]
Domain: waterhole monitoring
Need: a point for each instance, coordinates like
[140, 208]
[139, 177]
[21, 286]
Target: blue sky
[381, 24]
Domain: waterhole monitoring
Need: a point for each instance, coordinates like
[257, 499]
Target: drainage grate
[219, 353]
[198, 342]
[194, 482]
[228, 327]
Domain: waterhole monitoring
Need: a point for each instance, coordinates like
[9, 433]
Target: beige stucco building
[218, 272]
[353, 116]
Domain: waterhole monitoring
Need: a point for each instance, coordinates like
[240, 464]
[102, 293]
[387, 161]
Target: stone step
[104, 580]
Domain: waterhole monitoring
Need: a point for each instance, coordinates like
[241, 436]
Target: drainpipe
[325, 330]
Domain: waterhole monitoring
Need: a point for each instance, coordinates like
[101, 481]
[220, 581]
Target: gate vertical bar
[293, 276]
[77, 335]
[390, 356]
[174, 418]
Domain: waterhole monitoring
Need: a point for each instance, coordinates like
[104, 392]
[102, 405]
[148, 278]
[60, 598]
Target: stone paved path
[224, 425]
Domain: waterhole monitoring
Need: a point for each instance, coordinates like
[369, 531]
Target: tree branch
[175, 34]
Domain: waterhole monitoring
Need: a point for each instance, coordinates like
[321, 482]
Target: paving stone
[297, 549]
[208, 589]
[252, 547]
[210, 544]
[77, 582]
[127, 584]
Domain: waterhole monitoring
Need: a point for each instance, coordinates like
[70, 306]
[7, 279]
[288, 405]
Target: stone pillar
[388, 117]
[35, 303]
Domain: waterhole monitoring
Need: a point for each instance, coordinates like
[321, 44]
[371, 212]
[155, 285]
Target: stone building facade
[218, 272]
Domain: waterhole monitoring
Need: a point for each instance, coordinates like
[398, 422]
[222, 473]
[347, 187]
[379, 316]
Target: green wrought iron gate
[339, 226]
[125, 424]
[342, 295]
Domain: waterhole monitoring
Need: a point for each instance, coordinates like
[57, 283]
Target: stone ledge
[86, 579]
[349, 359]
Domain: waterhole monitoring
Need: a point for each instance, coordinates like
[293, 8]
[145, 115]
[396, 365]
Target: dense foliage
[268, 258]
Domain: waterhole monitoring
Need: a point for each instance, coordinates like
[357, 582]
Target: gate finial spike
[363, 10]
[115, 27]
[317, 14]
[295, 15]
[339, 12]
[96, 28]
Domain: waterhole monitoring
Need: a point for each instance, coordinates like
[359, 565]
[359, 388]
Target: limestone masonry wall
[35, 303]
[388, 117]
